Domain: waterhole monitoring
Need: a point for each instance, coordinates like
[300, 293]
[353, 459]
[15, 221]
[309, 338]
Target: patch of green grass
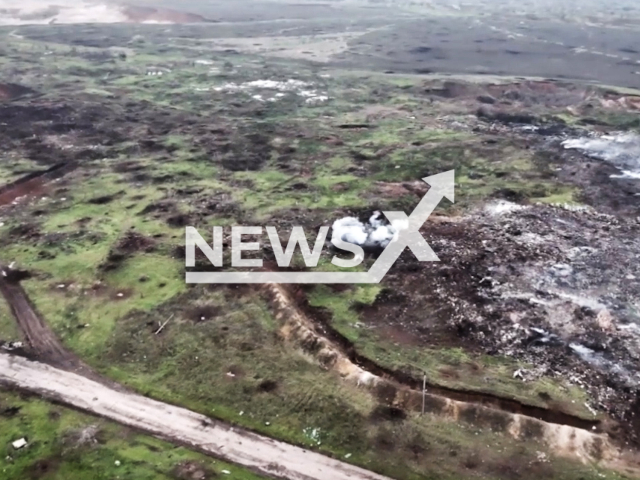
[220, 352]
[14, 168]
[8, 329]
[54, 451]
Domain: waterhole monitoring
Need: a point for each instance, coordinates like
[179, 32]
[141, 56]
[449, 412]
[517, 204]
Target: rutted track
[43, 343]
[74, 383]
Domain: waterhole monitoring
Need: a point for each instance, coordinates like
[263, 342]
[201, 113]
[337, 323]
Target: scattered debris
[164, 325]
[296, 87]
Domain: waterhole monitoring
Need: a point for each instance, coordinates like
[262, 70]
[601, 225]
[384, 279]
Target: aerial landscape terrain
[516, 356]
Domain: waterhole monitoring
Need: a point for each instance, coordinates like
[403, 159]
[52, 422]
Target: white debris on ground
[598, 359]
[501, 207]
[291, 86]
[12, 346]
[622, 150]
[157, 71]
[18, 444]
[313, 434]
[373, 234]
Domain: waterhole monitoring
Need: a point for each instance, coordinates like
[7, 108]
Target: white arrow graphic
[442, 186]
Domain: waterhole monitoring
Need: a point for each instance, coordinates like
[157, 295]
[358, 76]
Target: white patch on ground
[587, 302]
[501, 207]
[622, 150]
[291, 86]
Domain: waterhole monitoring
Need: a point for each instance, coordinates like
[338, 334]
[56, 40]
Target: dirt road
[37, 333]
[178, 425]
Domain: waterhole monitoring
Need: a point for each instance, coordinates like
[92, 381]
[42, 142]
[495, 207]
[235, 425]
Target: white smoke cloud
[373, 234]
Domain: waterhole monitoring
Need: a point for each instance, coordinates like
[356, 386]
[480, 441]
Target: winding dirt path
[178, 425]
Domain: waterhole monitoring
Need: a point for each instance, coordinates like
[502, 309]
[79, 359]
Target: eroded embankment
[564, 434]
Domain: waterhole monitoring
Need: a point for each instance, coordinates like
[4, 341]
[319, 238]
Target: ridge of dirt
[568, 440]
[13, 91]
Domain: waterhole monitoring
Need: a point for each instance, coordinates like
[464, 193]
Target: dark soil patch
[135, 242]
[268, 386]
[25, 231]
[192, 471]
[383, 413]
[179, 220]
[132, 242]
[13, 91]
[494, 115]
[9, 412]
[43, 468]
[105, 199]
[160, 207]
[204, 313]
[245, 152]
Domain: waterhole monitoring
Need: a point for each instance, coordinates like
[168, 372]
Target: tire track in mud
[43, 343]
[565, 435]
